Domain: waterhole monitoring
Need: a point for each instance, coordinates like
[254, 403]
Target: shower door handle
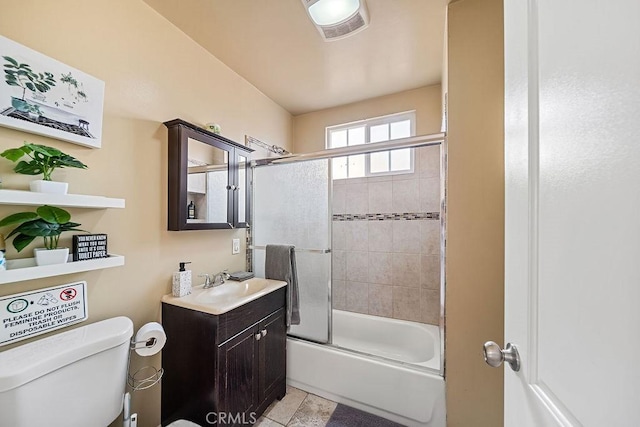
[494, 355]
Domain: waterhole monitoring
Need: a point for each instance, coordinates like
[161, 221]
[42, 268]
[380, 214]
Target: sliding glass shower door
[291, 206]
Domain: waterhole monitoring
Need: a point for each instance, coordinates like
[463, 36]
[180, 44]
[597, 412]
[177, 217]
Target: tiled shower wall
[389, 267]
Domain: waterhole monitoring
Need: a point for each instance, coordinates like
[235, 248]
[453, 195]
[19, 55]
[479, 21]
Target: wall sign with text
[89, 246]
[33, 313]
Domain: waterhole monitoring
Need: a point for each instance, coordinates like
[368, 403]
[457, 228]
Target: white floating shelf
[17, 197]
[19, 270]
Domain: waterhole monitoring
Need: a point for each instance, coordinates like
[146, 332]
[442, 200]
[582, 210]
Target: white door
[572, 280]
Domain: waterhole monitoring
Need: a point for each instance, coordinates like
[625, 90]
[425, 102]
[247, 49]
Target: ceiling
[274, 45]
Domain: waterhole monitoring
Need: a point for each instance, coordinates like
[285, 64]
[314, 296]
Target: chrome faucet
[217, 280]
[207, 280]
[220, 278]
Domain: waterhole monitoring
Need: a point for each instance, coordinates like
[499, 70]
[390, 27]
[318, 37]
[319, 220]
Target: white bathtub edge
[376, 329]
[321, 370]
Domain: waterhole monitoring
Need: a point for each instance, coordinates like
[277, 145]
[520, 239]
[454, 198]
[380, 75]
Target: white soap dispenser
[182, 281]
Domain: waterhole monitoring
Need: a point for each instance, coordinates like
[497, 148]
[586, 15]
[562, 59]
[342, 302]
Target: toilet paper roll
[146, 334]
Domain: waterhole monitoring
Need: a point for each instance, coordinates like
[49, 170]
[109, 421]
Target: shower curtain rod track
[414, 141]
[313, 251]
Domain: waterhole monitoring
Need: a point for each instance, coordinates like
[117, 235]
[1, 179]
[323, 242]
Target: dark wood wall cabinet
[209, 179]
[227, 368]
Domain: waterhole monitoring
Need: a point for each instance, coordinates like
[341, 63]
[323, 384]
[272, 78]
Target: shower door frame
[436, 139]
[328, 250]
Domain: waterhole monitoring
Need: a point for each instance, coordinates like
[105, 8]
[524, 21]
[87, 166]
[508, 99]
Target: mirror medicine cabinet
[209, 179]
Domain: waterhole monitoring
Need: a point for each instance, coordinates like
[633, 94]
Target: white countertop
[223, 298]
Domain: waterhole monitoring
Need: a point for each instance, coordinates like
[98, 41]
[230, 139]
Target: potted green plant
[43, 160]
[47, 222]
[21, 75]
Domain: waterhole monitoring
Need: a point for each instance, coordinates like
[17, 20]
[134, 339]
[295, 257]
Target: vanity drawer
[236, 320]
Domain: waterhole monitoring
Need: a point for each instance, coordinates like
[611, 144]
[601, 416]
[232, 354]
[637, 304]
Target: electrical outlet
[235, 249]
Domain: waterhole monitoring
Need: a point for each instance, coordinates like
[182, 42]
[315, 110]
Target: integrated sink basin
[231, 290]
[225, 297]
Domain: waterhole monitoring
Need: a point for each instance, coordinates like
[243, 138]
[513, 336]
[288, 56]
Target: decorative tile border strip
[407, 216]
[249, 252]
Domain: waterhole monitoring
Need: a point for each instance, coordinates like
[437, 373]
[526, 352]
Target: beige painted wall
[475, 245]
[309, 129]
[153, 73]
[445, 75]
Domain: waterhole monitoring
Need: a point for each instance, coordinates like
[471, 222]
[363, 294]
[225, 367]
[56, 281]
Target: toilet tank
[76, 378]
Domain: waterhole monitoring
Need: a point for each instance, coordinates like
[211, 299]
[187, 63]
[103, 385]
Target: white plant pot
[42, 186]
[51, 256]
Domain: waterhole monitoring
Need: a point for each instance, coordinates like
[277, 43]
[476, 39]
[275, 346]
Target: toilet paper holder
[144, 378]
[135, 345]
[147, 376]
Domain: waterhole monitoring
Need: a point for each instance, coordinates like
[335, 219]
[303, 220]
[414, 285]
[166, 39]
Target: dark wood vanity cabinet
[252, 365]
[226, 368]
[208, 177]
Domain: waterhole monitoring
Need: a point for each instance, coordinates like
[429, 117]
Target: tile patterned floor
[298, 409]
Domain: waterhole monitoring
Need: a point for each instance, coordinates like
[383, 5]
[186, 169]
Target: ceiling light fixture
[337, 19]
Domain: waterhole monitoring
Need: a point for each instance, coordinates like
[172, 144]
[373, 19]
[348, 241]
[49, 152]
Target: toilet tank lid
[30, 361]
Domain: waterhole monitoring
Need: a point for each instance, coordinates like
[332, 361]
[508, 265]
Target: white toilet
[75, 378]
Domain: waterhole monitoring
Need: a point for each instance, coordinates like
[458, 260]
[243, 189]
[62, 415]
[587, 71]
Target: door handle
[257, 336]
[263, 332]
[494, 355]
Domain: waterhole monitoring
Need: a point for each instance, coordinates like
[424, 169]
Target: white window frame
[368, 123]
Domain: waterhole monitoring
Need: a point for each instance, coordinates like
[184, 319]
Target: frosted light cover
[330, 12]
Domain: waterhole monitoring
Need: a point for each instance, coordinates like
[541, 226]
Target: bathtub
[383, 366]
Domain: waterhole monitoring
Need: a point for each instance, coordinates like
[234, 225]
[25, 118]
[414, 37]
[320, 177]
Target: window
[395, 126]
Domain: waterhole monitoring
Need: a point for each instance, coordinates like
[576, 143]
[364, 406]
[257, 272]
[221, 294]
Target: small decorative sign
[89, 246]
[33, 313]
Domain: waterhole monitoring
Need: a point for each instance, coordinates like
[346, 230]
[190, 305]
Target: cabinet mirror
[207, 182]
[208, 179]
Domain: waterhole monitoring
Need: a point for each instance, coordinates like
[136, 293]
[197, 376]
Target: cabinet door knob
[263, 332]
[258, 336]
